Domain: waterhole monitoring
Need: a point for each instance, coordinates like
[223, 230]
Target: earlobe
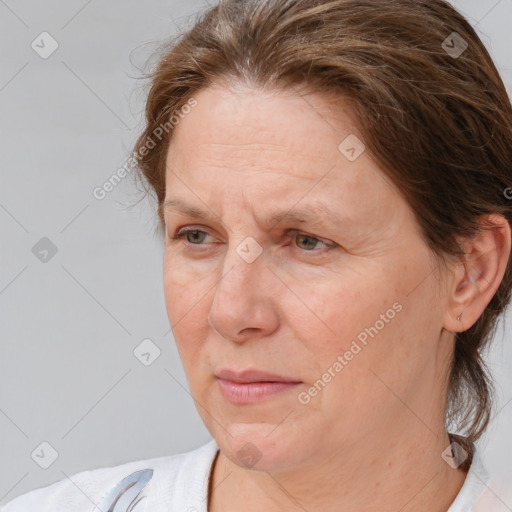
[479, 275]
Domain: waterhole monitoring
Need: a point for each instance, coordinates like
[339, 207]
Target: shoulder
[82, 491]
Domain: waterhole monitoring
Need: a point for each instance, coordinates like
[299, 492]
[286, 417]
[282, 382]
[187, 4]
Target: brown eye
[309, 241]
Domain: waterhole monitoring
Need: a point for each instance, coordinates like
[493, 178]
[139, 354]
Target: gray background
[69, 325]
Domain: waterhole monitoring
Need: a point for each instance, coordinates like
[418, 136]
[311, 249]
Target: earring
[458, 317]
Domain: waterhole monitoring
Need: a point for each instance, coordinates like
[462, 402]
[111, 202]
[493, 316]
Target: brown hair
[434, 114]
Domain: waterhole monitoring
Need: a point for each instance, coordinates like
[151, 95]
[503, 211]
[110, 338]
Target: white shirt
[179, 484]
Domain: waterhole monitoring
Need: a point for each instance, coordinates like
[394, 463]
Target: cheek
[386, 341]
[357, 327]
[187, 297]
[335, 311]
[185, 286]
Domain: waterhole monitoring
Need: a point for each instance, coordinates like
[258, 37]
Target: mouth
[251, 386]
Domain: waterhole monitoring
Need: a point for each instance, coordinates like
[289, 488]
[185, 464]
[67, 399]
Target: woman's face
[339, 298]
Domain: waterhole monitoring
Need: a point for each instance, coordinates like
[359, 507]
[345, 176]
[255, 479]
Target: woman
[328, 375]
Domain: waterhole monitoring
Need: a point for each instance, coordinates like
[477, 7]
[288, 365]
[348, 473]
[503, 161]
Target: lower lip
[252, 392]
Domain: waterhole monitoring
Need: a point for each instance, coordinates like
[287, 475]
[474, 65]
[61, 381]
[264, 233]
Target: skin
[372, 438]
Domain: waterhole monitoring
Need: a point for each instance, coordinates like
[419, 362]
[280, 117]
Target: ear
[479, 275]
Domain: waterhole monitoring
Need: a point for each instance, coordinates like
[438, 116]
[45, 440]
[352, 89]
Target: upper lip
[246, 376]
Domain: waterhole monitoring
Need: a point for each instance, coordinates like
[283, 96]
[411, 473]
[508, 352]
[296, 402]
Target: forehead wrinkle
[248, 145]
[295, 151]
[314, 214]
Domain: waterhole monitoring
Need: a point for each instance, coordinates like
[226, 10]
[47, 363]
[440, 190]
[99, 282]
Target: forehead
[250, 135]
[273, 150]
[253, 123]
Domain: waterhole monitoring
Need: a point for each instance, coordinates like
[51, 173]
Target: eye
[195, 234]
[308, 241]
[304, 242]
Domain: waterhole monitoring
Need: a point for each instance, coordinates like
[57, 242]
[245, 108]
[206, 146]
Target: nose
[244, 303]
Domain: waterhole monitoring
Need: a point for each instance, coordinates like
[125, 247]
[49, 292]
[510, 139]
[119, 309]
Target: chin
[251, 447]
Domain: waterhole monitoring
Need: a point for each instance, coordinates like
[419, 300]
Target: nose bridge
[239, 296]
[243, 268]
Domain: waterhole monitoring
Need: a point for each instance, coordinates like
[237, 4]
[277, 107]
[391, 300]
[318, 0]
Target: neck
[405, 472]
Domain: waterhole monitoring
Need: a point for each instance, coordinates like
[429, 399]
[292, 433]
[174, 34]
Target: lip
[251, 386]
[252, 376]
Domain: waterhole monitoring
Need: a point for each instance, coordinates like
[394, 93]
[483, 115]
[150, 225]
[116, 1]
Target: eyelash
[182, 233]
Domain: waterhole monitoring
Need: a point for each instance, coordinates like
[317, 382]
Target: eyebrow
[315, 213]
